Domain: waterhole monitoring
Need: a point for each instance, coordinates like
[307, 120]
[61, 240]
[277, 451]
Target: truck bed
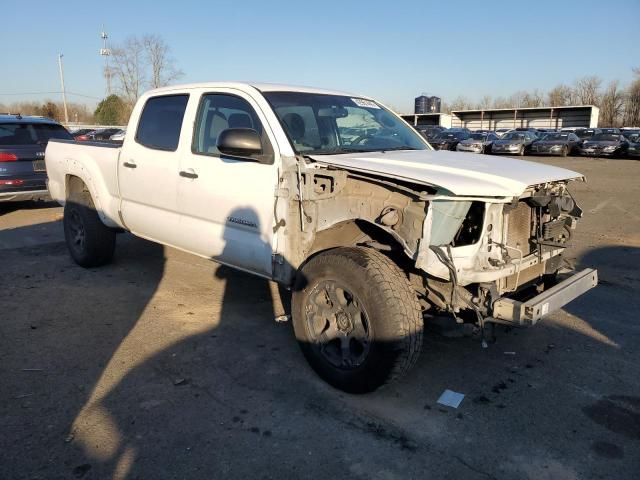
[96, 164]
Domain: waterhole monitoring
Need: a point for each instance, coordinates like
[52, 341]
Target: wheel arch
[354, 232]
[80, 181]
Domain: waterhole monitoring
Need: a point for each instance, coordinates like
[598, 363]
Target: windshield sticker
[361, 102]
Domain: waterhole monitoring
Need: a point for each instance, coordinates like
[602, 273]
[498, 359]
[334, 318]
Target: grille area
[519, 228]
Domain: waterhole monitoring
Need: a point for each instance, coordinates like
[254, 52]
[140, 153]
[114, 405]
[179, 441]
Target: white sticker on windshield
[361, 102]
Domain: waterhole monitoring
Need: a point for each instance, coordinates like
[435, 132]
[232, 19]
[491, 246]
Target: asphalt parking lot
[164, 365]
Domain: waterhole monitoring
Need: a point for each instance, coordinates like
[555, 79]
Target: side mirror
[239, 142]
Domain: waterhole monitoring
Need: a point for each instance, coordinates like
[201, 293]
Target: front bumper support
[513, 312]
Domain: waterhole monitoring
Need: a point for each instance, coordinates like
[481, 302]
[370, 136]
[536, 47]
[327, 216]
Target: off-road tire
[392, 311]
[98, 241]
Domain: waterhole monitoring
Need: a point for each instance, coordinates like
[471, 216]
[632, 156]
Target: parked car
[81, 134]
[478, 143]
[537, 132]
[560, 143]
[586, 133]
[501, 131]
[630, 132]
[342, 225]
[634, 146]
[23, 140]
[429, 131]
[514, 142]
[605, 144]
[449, 140]
[611, 131]
[102, 134]
[118, 136]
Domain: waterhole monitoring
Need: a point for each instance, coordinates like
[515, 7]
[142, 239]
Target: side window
[219, 112]
[161, 121]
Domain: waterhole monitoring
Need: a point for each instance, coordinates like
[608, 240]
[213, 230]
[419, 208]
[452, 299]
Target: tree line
[78, 112]
[618, 106]
[140, 63]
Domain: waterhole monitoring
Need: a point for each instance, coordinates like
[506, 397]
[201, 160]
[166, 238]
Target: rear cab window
[161, 122]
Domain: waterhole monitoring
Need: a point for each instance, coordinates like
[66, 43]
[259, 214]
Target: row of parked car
[98, 135]
[593, 142]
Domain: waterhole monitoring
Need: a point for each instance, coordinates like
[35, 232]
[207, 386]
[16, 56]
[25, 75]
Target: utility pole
[64, 93]
[105, 52]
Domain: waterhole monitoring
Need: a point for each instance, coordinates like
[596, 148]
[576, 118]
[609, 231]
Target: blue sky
[390, 50]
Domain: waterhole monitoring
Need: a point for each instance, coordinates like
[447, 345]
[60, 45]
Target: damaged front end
[481, 259]
[501, 259]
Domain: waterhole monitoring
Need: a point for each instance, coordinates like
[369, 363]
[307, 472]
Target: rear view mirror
[333, 112]
[240, 142]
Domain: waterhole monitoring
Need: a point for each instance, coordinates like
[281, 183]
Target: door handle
[129, 164]
[188, 173]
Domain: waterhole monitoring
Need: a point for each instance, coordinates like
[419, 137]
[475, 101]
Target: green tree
[111, 111]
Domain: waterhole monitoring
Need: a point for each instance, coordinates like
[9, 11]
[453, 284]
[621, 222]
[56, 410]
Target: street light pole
[64, 93]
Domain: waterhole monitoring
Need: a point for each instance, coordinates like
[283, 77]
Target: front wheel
[90, 242]
[357, 318]
[521, 151]
[565, 151]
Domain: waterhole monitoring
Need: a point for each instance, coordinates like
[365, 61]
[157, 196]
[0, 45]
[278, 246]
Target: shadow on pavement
[136, 382]
[8, 207]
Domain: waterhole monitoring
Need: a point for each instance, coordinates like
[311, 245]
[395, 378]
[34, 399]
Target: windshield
[556, 136]
[513, 136]
[585, 133]
[31, 133]
[605, 137]
[328, 124]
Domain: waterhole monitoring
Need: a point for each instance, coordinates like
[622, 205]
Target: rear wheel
[357, 319]
[90, 242]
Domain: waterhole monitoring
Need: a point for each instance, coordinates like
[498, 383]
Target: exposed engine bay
[464, 255]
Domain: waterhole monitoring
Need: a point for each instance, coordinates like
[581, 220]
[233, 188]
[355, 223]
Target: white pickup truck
[336, 198]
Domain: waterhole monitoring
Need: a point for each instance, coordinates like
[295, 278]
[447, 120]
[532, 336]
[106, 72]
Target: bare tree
[516, 100]
[612, 105]
[485, 102]
[139, 63]
[559, 96]
[632, 103]
[129, 68]
[533, 99]
[500, 102]
[461, 103]
[587, 90]
[163, 69]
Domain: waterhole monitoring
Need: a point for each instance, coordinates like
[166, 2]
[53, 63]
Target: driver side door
[227, 202]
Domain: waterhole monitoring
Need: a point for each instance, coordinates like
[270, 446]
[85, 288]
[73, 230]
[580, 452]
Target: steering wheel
[360, 139]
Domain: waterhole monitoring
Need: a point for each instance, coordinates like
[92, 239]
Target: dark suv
[22, 142]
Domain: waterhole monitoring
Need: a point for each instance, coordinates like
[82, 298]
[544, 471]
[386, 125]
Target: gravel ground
[164, 365]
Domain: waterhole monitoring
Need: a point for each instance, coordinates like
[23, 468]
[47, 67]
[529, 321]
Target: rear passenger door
[148, 170]
[227, 202]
